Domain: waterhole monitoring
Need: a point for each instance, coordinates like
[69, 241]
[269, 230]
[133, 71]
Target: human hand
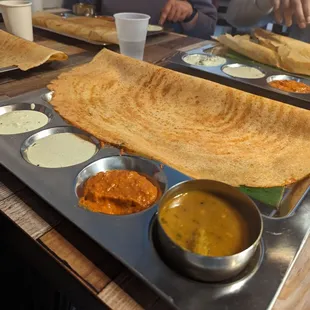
[175, 11]
[287, 9]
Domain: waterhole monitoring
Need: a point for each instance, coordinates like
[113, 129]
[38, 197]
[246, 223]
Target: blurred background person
[194, 18]
[294, 14]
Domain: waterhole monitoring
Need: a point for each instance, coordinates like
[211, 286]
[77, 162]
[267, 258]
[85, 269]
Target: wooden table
[85, 268]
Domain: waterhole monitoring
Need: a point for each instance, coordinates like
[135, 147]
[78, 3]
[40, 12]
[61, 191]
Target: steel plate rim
[52, 131]
[204, 55]
[243, 279]
[151, 207]
[26, 106]
[253, 244]
[287, 77]
[238, 65]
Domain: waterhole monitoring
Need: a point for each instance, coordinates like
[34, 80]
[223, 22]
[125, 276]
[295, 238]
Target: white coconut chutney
[154, 28]
[60, 150]
[204, 60]
[21, 121]
[245, 72]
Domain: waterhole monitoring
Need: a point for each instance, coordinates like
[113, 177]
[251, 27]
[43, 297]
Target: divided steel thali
[158, 131]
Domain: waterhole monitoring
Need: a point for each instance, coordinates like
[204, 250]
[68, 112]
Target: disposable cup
[17, 18]
[131, 32]
[37, 5]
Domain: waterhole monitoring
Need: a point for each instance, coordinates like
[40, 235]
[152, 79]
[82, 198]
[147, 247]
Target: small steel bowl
[208, 268]
[84, 9]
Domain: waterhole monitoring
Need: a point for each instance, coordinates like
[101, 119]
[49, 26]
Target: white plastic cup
[17, 18]
[131, 31]
[37, 5]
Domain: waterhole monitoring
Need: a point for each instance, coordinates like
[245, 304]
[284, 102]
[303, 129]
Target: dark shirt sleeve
[69, 3]
[249, 13]
[207, 18]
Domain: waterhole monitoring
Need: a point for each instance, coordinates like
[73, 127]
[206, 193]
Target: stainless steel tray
[72, 36]
[258, 86]
[12, 68]
[131, 238]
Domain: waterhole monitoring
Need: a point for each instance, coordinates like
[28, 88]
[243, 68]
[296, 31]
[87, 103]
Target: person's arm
[247, 13]
[203, 24]
[196, 17]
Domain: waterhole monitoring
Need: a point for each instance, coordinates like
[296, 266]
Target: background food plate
[68, 15]
[111, 19]
[131, 238]
[258, 86]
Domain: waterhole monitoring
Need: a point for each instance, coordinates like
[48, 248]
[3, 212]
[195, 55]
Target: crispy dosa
[15, 51]
[272, 49]
[87, 28]
[294, 55]
[40, 18]
[201, 128]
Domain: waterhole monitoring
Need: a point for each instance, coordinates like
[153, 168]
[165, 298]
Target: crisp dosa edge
[32, 55]
[234, 137]
[276, 39]
[294, 55]
[243, 45]
[285, 53]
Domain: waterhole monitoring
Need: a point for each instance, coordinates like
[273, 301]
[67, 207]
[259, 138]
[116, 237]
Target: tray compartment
[184, 58]
[285, 77]
[57, 130]
[145, 167]
[238, 65]
[250, 269]
[27, 107]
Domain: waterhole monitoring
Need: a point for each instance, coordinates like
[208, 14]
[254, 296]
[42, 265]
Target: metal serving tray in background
[258, 86]
[132, 239]
[72, 36]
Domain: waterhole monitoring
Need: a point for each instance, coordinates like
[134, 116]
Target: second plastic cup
[17, 18]
[131, 32]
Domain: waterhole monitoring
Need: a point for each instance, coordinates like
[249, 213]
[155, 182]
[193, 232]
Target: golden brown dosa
[272, 49]
[203, 129]
[40, 18]
[294, 55]
[84, 27]
[93, 22]
[244, 46]
[15, 51]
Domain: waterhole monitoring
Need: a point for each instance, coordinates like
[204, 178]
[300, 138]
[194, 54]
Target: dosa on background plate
[203, 129]
[84, 27]
[40, 18]
[272, 49]
[15, 51]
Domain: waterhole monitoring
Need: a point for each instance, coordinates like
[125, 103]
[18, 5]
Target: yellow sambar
[205, 224]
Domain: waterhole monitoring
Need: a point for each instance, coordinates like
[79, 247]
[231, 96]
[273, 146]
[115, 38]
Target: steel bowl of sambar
[208, 230]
